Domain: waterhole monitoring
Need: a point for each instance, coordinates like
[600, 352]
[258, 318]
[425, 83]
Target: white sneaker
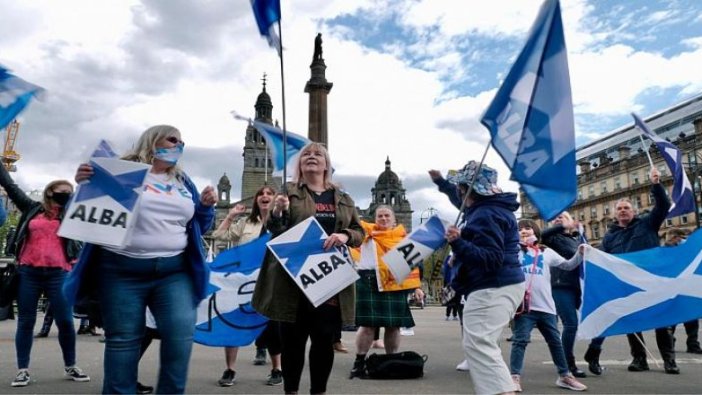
[571, 383]
[517, 380]
[22, 379]
[463, 366]
[407, 331]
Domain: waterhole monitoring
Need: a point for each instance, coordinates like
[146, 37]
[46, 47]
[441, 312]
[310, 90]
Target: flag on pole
[15, 94]
[267, 13]
[531, 117]
[682, 199]
[637, 291]
[274, 141]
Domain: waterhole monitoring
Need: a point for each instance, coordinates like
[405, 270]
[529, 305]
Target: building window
[590, 191]
[683, 219]
[580, 194]
[669, 222]
[593, 212]
[635, 178]
[637, 201]
[581, 215]
[595, 231]
[650, 199]
[603, 186]
[617, 183]
[662, 169]
[605, 209]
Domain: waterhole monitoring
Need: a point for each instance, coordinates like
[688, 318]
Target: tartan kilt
[380, 309]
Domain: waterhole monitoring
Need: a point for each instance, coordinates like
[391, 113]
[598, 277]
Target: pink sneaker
[516, 379]
[571, 383]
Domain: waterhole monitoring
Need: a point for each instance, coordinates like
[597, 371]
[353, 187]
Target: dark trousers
[692, 329]
[270, 338]
[664, 340]
[320, 326]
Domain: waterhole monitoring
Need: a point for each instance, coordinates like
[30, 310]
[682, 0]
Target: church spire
[264, 105]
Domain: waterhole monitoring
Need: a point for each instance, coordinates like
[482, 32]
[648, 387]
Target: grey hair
[143, 151]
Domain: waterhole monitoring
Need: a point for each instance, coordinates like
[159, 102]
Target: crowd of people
[504, 273]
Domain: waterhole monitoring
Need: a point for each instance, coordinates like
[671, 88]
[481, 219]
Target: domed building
[388, 190]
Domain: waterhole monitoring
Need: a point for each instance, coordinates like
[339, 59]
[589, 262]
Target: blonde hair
[299, 177]
[144, 149]
[46, 199]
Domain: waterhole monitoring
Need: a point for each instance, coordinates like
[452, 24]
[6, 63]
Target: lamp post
[426, 214]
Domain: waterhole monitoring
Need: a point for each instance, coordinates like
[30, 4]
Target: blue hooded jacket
[487, 251]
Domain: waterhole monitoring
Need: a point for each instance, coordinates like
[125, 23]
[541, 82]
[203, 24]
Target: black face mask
[61, 198]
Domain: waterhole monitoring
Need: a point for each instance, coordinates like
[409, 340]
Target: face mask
[61, 198]
[169, 155]
[531, 240]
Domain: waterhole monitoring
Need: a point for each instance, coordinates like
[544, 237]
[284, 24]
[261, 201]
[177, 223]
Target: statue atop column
[317, 47]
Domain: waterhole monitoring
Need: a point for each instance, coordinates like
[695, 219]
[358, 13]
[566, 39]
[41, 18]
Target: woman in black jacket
[44, 259]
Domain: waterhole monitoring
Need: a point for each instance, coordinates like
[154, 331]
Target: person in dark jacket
[488, 271]
[44, 260]
[632, 233]
[564, 238]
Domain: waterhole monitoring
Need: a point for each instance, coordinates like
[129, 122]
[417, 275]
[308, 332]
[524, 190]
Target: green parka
[276, 295]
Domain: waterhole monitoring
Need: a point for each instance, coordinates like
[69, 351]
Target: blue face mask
[169, 155]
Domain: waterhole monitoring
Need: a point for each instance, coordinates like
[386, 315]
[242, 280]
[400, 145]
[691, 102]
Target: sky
[411, 78]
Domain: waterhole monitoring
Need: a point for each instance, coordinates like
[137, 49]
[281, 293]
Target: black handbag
[9, 284]
[401, 365]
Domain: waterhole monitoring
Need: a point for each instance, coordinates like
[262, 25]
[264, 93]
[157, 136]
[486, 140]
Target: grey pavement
[434, 336]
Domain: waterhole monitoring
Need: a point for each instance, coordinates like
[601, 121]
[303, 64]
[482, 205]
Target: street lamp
[426, 214]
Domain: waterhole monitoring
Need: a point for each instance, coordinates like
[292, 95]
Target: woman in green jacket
[311, 193]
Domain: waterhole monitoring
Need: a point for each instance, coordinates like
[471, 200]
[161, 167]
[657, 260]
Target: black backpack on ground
[401, 365]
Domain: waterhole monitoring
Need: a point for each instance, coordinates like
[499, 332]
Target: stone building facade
[617, 166]
[388, 190]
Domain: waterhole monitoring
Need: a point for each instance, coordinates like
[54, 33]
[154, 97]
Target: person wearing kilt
[380, 301]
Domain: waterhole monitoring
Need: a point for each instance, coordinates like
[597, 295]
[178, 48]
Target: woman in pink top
[44, 259]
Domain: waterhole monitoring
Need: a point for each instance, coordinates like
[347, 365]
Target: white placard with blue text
[319, 274]
[103, 209]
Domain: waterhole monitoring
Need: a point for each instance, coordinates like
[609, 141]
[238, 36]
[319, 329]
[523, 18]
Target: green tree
[11, 222]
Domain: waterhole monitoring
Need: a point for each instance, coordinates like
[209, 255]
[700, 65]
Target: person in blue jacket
[162, 266]
[488, 272]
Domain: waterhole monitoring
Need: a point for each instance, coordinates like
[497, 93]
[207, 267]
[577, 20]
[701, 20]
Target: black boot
[592, 357]
[574, 369]
[671, 367]
[639, 364]
[359, 367]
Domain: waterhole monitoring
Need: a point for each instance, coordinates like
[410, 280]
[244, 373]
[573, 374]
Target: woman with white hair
[162, 267]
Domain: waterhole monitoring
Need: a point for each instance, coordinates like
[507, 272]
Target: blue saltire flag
[415, 247]
[274, 141]
[267, 13]
[531, 117]
[637, 291]
[682, 197]
[15, 94]
[225, 318]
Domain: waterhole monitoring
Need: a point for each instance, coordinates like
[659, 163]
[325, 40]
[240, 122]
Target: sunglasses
[174, 140]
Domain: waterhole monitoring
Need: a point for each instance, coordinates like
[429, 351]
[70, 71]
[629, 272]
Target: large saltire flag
[682, 197]
[415, 248]
[267, 14]
[225, 317]
[274, 141]
[318, 273]
[15, 94]
[633, 292]
[531, 117]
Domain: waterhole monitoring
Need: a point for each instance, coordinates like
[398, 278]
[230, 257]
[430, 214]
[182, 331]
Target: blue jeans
[128, 286]
[32, 281]
[521, 332]
[567, 301]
